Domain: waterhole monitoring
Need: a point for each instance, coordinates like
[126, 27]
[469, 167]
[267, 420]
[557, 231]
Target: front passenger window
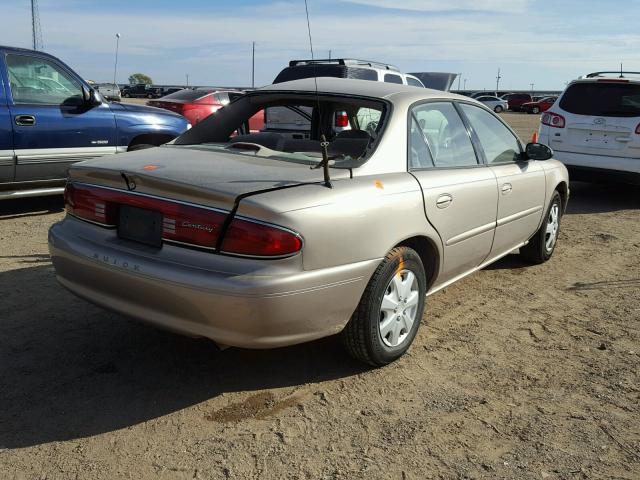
[35, 80]
[498, 143]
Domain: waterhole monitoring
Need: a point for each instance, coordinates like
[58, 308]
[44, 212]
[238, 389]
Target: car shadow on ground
[31, 207]
[70, 370]
[602, 197]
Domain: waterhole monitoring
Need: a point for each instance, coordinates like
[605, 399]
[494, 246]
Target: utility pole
[532, 84]
[187, 75]
[329, 54]
[115, 65]
[253, 65]
[36, 31]
[465, 84]
[498, 81]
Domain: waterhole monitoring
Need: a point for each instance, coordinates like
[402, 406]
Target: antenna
[36, 31]
[324, 164]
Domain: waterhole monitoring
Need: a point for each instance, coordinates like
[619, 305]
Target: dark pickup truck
[141, 91]
[50, 118]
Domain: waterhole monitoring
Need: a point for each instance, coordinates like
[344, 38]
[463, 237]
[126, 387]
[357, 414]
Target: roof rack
[620, 74]
[343, 61]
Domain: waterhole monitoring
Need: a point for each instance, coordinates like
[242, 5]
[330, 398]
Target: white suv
[346, 68]
[594, 127]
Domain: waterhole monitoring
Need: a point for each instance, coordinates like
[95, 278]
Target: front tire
[389, 313]
[498, 109]
[543, 243]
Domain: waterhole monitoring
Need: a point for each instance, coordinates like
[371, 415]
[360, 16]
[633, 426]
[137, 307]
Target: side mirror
[89, 96]
[538, 151]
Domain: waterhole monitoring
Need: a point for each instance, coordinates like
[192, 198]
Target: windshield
[292, 126]
[602, 99]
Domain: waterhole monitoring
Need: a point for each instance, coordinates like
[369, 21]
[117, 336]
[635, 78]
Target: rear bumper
[600, 167]
[233, 301]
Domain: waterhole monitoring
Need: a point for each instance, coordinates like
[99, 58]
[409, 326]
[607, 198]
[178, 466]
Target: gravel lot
[516, 372]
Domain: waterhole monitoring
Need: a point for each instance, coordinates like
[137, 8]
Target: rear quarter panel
[358, 219]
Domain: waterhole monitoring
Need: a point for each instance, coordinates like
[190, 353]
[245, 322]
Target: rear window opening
[293, 127]
[602, 99]
[187, 95]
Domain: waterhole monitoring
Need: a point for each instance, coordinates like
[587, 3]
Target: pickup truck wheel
[140, 146]
[541, 246]
[389, 313]
[126, 95]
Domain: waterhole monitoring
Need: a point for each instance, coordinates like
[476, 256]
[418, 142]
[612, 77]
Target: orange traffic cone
[534, 138]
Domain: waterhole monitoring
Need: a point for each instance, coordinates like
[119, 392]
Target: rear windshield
[293, 127]
[602, 99]
[187, 95]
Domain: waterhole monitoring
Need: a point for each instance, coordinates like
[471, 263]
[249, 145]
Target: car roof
[365, 88]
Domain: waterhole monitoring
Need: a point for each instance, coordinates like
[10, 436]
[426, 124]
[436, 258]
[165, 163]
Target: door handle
[444, 200]
[25, 120]
[506, 188]
[623, 139]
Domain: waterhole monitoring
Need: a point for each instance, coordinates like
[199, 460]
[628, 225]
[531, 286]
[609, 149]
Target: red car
[540, 106]
[196, 105]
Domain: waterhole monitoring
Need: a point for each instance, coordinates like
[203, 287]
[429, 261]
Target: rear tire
[535, 110]
[543, 243]
[389, 313]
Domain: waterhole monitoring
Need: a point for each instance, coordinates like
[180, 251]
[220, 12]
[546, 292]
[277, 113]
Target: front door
[52, 126]
[6, 138]
[521, 184]
[460, 193]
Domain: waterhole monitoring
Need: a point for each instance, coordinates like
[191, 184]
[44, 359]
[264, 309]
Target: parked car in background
[196, 105]
[516, 100]
[496, 104]
[346, 68]
[232, 236]
[164, 91]
[44, 129]
[110, 91]
[141, 90]
[594, 127]
[541, 105]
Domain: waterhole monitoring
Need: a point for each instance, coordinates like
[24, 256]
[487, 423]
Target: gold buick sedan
[356, 201]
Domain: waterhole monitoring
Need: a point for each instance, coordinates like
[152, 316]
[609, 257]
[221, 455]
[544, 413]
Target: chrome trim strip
[518, 216]
[54, 155]
[82, 219]
[470, 233]
[35, 192]
[7, 157]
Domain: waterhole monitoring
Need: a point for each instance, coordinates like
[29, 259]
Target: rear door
[460, 192]
[521, 184]
[52, 127]
[6, 134]
[601, 119]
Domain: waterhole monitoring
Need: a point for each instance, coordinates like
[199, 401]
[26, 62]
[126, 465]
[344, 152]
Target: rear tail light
[182, 223]
[553, 120]
[250, 238]
[342, 120]
[638, 129]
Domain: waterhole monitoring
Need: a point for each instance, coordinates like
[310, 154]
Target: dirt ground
[516, 372]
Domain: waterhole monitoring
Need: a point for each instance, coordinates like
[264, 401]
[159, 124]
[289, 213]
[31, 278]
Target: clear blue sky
[543, 42]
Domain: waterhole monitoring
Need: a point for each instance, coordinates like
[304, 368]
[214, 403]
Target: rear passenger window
[442, 127]
[392, 78]
[498, 143]
[414, 83]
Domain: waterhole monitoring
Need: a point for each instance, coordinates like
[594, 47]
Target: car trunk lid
[196, 174]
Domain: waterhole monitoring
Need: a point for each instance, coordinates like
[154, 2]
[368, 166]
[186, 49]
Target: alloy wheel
[399, 308]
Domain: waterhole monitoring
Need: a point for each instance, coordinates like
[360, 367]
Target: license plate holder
[140, 225]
